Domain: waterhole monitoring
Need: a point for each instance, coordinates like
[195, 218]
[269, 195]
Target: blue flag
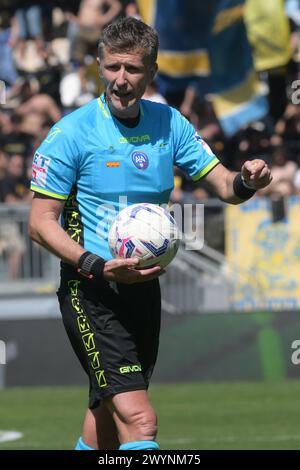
[206, 43]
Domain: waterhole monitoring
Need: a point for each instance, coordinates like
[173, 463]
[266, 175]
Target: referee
[118, 147]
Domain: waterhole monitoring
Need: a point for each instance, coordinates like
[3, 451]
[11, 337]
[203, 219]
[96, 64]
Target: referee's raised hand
[256, 173]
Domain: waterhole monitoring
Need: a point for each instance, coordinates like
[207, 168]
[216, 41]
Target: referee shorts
[114, 331]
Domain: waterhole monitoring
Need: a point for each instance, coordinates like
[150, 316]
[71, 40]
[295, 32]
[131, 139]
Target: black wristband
[240, 190]
[91, 266]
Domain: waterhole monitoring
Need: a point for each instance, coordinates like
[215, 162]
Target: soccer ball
[145, 231]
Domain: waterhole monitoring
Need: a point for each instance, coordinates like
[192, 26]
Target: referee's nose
[121, 78]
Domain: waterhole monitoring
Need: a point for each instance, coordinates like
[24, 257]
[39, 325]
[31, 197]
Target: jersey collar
[105, 109]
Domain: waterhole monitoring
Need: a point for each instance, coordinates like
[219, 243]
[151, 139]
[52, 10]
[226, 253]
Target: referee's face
[125, 75]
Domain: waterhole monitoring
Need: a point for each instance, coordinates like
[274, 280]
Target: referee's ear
[99, 65]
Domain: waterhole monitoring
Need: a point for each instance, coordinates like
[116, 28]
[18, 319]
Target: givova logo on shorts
[128, 369]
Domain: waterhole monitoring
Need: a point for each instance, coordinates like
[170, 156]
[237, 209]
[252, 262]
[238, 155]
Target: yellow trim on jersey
[106, 113]
[203, 172]
[48, 193]
[181, 64]
[103, 108]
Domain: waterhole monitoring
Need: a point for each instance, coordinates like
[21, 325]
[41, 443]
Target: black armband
[240, 189]
[91, 266]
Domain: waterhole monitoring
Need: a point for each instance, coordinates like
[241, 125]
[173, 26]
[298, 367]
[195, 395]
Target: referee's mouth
[122, 95]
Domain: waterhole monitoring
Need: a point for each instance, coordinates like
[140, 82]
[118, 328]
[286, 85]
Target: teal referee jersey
[98, 165]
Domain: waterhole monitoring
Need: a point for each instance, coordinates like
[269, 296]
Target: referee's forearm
[51, 236]
[230, 196]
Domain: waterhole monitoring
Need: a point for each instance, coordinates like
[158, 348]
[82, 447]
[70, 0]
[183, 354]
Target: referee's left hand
[126, 271]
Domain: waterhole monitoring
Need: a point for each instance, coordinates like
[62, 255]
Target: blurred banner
[268, 32]
[205, 43]
[183, 28]
[263, 256]
[238, 98]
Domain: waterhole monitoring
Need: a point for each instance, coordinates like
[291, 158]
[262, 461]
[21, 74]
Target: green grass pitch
[262, 415]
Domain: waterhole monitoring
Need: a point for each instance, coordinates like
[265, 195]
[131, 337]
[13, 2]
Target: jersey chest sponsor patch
[40, 169]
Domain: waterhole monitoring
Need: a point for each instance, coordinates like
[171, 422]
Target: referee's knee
[142, 424]
[146, 424]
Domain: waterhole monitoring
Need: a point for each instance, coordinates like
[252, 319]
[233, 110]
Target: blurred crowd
[47, 62]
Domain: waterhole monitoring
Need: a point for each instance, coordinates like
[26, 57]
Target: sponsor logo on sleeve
[204, 144]
[40, 168]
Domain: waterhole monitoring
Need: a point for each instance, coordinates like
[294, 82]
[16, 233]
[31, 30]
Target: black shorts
[114, 331]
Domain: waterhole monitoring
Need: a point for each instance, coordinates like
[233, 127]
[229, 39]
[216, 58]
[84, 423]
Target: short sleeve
[192, 154]
[55, 162]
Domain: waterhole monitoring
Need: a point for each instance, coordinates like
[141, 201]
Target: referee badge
[140, 160]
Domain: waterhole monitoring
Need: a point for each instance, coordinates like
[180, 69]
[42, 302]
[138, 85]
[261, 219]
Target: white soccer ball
[145, 231]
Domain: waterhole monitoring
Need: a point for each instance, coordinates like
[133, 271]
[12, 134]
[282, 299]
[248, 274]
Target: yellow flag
[147, 10]
[268, 33]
